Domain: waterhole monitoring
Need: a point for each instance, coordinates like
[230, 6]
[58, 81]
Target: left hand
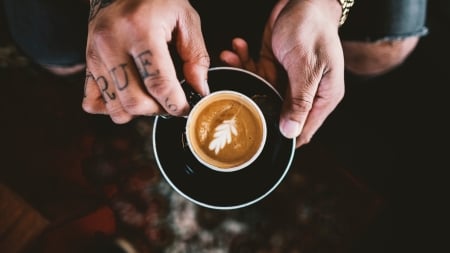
[301, 42]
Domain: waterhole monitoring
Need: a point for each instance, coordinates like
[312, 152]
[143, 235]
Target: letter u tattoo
[123, 74]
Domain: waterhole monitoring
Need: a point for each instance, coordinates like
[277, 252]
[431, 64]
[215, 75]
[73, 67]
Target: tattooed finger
[129, 88]
[93, 101]
[159, 78]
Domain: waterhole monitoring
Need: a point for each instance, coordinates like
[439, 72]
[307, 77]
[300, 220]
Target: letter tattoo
[144, 65]
[124, 76]
[171, 107]
[103, 83]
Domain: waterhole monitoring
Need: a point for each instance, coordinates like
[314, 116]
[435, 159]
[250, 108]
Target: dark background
[389, 131]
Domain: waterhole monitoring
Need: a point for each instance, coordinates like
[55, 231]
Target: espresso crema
[227, 131]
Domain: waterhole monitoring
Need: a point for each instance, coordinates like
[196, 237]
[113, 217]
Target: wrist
[334, 9]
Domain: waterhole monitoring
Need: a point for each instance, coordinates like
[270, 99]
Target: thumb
[298, 102]
[192, 50]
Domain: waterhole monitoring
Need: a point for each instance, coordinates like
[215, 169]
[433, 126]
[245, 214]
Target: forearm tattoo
[97, 5]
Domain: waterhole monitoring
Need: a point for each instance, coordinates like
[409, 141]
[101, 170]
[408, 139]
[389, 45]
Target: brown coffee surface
[228, 132]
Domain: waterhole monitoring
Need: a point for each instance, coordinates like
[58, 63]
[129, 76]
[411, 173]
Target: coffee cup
[226, 131]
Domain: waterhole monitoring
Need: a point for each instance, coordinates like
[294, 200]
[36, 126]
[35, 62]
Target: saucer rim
[226, 207]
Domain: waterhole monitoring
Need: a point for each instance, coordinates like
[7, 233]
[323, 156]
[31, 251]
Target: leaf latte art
[222, 135]
[226, 130]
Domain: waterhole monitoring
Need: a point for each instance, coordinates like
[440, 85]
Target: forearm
[334, 8]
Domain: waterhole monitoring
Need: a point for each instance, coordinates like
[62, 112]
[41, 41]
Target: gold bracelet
[346, 5]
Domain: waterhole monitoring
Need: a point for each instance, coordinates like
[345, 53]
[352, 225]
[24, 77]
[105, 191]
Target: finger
[240, 46]
[299, 99]
[330, 93]
[129, 88]
[157, 71]
[109, 95]
[240, 56]
[231, 58]
[105, 86]
[192, 50]
[93, 101]
[294, 113]
[124, 77]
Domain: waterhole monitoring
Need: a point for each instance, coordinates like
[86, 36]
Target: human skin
[379, 57]
[129, 68]
[130, 71]
[301, 45]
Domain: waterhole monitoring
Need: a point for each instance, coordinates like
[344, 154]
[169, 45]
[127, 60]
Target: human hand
[300, 43]
[130, 71]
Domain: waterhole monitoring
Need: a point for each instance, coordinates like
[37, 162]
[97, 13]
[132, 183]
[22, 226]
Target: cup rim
[193, 181]
[241, 165]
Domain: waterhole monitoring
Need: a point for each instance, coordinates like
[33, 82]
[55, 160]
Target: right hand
[130, 71]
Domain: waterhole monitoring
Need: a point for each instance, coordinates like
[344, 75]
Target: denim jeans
[385, 20]
[50, 32]
[53, 32]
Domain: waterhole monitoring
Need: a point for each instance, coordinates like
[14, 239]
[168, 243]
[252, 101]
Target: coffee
[226, 130]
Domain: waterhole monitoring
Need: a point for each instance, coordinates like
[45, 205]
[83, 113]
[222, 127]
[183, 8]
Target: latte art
[223, 135]
[226, 131]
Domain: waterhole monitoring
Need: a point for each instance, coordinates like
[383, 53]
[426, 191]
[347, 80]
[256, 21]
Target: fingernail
[290, 129]
[206, 87]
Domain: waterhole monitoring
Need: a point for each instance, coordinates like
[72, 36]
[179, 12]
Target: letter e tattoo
[143, 63]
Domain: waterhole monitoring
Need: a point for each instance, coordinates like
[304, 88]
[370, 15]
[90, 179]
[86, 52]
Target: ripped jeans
[54, 32]
[385, 20]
